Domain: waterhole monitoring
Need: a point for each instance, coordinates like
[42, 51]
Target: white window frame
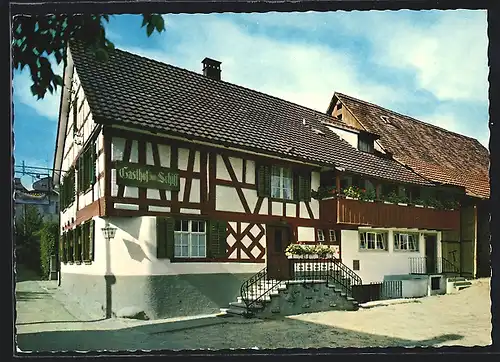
[379, 237]
[402, 241]
[189, 233]
[332, 235]
[320, 234]
[281, 179]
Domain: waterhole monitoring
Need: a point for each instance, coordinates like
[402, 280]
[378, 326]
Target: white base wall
[132, 252]
[375, 264]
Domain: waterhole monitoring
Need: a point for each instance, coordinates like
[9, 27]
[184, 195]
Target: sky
[431, 65]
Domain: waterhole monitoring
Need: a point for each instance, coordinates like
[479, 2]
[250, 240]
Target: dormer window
[365, 143]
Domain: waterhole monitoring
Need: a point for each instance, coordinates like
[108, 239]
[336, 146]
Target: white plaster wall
[221, 170]
[374, 264]
[305, 234]
[349, 137]
[133, 252]
[183, 158]
[227, 199]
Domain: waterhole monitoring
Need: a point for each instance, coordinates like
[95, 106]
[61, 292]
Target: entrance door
[278, 265]
[431, 253]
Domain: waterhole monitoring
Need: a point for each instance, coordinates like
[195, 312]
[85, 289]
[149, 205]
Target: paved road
[49, 320]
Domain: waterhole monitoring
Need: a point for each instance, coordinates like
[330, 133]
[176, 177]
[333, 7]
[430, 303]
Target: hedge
[49, 235]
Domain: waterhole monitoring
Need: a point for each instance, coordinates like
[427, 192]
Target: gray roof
[134, 91]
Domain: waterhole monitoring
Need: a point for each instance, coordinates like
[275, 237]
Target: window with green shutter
[91, 240]
[67, 195]
[282, 183]
[86, 168]
[64, 248]
[164, 238]
[217, 239]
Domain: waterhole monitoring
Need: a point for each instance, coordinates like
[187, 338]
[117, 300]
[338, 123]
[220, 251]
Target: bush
[27, 240]
[49, 235]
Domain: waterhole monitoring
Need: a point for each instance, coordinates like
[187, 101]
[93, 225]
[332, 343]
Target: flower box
[402, 204]
[419, 205]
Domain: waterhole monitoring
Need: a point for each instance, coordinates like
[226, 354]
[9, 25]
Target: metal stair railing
[256, 288]
[343, 276]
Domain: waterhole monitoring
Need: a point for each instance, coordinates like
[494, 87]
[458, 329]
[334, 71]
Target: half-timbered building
[206, 183]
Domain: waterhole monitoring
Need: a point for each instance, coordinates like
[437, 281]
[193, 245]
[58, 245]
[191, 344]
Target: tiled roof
[138, 92]
[435, 153]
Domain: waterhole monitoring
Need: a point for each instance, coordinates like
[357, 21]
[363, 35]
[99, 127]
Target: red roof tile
[435, 153]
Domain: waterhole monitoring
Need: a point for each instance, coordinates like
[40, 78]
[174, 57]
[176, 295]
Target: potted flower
[418, 203]
[323, 251]
[324, 192]
[351, 192]
[367, 195]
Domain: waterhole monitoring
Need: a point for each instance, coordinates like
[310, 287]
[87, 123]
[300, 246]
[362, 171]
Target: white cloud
[448, 56]
[48, 106]
[303, 73]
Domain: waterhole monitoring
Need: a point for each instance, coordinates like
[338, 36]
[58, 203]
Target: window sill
[288, 201]
[87, 262]
[405, 251]
[372, 251]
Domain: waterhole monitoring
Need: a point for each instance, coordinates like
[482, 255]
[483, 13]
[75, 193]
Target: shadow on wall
[135, 251]
[264, 334]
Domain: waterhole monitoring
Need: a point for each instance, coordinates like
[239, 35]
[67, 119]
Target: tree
[36, 38]
[27, 240]
[49, 235]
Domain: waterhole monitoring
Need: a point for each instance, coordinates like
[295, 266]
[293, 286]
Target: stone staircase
[274, 297]
[455, 284]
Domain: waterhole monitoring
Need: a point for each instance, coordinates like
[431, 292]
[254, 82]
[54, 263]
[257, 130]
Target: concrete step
[457, 279]
[234, 311]
[462, 283]
[241, 305]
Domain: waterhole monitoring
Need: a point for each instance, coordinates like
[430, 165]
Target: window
[189, 239]
[373, 240]
[67, 195]
[406, 241]
[281, 183]
[332, 235]
[365, 143]
[86, 168]
[321, 235]
[355, 265]
[75, 115]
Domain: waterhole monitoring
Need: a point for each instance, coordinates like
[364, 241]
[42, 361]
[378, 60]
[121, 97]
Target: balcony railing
[424, 265]
[379, 214]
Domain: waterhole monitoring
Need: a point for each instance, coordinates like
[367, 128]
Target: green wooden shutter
[161, 245]
[297, 180]
[263, 181]
[170, 245]
[216, 239]
[63, 248]
[306, 180]
[304, 187]
[164, 238]
[93, 165]
[91, 239]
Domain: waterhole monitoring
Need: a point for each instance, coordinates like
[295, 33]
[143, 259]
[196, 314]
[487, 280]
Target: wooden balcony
[379, 214]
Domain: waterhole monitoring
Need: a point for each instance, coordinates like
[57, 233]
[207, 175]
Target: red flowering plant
[359, 193]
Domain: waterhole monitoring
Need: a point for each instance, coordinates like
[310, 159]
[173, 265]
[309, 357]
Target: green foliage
[395, 198]
[359, 193]
[27, 240]
[308, 249]
[49, 235]
[36, 38]
[323, 192]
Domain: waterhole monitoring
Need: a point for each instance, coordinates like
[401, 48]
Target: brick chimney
[211, 68]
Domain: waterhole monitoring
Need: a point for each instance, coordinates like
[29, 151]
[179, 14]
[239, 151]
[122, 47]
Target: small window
[405, 241]
[372, 240]
[189, 239]
[321, 235]
[365, 143]
[281, 183]
[333, 235]
[339, 116]
[355, 265]
[339, 105]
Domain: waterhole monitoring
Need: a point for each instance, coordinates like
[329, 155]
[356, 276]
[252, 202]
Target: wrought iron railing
[447, 267]
[255, 289]
[422, 265]
[331, 270]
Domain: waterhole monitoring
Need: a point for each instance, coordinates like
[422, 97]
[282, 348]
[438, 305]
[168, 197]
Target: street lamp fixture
[108, 232]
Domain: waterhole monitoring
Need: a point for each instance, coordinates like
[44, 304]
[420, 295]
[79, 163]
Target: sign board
[31, 199]
[152, 177]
